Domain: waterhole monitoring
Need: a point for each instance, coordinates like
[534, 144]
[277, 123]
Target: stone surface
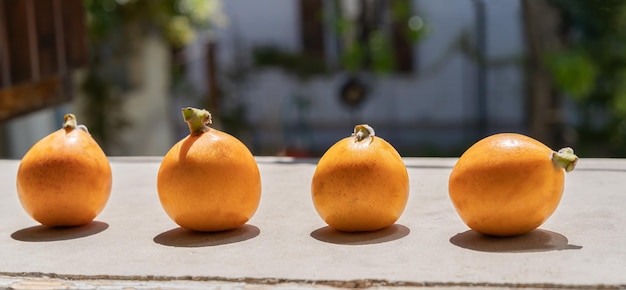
[581, 245]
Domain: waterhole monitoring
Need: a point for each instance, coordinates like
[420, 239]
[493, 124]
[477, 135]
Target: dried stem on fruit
[565, 158]
[362, 132]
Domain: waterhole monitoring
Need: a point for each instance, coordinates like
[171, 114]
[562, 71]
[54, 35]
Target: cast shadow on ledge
[180, 237]
[536, 241]
[391, 233]
[42, 233]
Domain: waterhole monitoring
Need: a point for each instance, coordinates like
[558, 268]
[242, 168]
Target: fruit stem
[565, 158]
[69, 123]
[363, 131]
[197, 120]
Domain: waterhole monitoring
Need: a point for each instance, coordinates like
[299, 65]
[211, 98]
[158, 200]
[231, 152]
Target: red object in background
[295, 152]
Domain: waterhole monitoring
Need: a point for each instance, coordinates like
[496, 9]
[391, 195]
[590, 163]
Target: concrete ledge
[287, 244]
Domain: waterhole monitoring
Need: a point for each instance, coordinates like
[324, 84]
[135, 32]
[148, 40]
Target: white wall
[25, 131]
[267, 22]
[431, 106]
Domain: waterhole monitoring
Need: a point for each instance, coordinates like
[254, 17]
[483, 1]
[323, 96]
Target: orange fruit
[65, 178]
[209, 180]
[360, 183]
[508, 184]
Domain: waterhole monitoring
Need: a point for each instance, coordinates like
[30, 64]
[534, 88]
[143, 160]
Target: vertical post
[402, 46]
[311, 28]
[481, 73]
[57, 9]
[541, 24]
[32, 39]
[75, 33]
[5, 74]
[5, 60]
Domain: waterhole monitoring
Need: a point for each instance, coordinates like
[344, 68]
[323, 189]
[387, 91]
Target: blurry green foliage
[114, 29]
[175, 20]
[574, 72]
[592, 70]
[301, 65]
[373, 51]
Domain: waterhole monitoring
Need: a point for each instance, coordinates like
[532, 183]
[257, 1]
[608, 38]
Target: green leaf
[381, 52]
[352, 59]
[573, 72]
[618, 101]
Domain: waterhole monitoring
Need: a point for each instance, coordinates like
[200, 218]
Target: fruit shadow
[536, 241]
[330, 235]
[181, 237]
[42, 233]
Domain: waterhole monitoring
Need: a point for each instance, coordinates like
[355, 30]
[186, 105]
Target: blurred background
[293, 77]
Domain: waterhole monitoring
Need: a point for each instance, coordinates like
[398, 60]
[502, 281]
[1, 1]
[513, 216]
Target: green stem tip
[565, 158]
[197, 120]
[363, 131]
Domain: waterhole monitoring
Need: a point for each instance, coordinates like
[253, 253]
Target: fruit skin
[360, 185]
[506, 184]
[209, 182]
[64, 179]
